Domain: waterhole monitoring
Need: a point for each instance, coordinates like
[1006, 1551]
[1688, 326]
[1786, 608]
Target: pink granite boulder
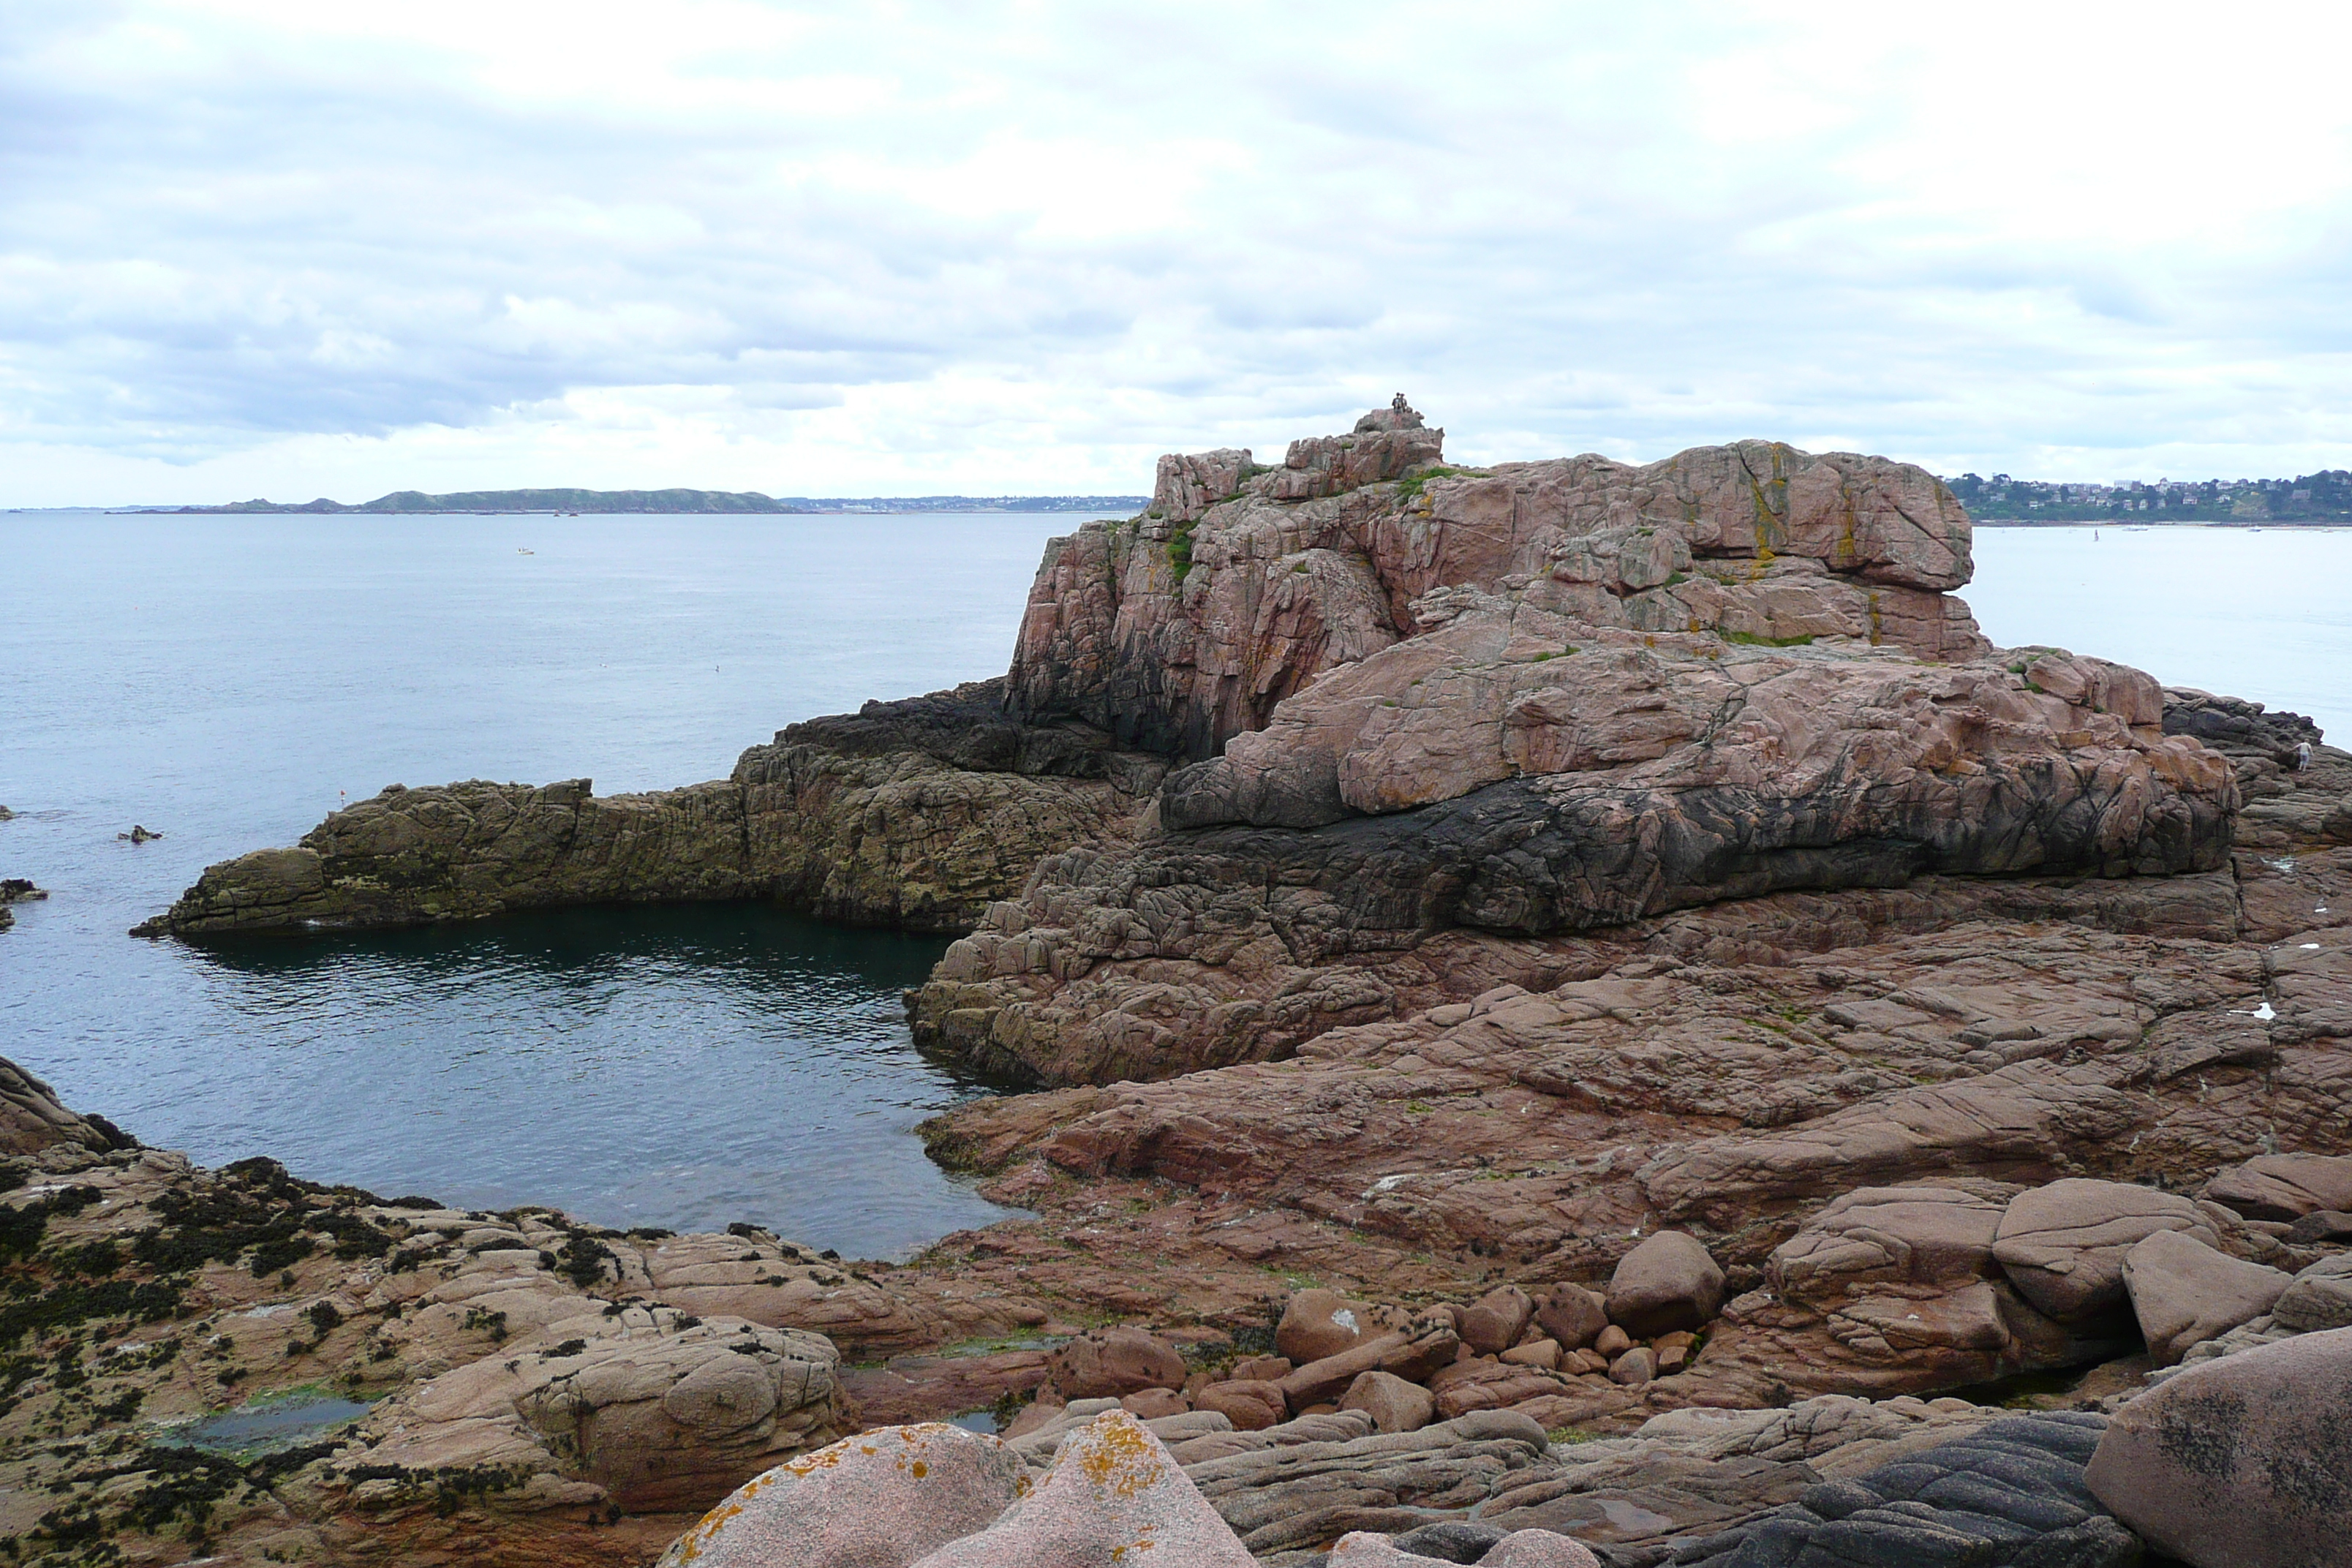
[2062, 1244]
[1114, 1495]
[2284, 1186]
[2184, 1291]
[2240, 1462]
[1668, 1282]
[1111, 1363]
[880, 1499]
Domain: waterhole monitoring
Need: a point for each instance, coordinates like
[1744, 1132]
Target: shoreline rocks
[913, 814]
[1576, 994]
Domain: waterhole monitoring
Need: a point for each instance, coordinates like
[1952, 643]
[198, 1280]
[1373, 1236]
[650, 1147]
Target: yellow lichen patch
[1119, 1458]
[921, 1469]
[689, 1546]
[823, 1460]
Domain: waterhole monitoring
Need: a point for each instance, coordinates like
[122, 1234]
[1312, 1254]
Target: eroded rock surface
[520, 1388]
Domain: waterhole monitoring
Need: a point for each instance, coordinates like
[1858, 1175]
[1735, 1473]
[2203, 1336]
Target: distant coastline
[2313, 525]
[561, 502]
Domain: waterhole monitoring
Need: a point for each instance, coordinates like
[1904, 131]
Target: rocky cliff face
[1184, 628]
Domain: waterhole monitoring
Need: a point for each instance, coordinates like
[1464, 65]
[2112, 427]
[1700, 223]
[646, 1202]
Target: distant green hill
[676, 501]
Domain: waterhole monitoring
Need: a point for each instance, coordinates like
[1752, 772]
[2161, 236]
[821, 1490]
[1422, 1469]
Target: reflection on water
[268, 1426]
[685, 1067]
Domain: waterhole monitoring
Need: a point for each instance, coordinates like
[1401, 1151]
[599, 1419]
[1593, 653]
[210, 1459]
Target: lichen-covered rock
[2242, 1462]
[880, 1499]
[914, 814]
[1113, 1495]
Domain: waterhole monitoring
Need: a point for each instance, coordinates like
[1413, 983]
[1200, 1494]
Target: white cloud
[258, 247]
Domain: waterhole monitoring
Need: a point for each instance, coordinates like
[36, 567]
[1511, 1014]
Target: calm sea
[226, 681]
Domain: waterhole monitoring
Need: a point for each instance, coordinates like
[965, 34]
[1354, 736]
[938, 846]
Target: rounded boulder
[1111, 1363]
[2240, 1462]
[1668, 1282]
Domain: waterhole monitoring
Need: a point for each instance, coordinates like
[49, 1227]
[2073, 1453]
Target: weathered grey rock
[2062, 1244]
[660, 1410]
[1521, 1549]
[1287, 1499]
[1453, 1540]
[1668, 1282]
[2183, 1292]
[2242, 1462]
[916, 813]
[880, 1499]
[2322, 1225]
[2236, 727]
[2013, 1493]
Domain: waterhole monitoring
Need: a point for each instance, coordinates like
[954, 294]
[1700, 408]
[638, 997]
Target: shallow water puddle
[269, 1423]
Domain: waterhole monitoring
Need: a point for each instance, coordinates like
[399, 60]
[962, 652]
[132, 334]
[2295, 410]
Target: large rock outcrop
[913, 814]
[1538, 699]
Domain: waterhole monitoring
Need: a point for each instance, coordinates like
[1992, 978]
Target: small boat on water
[519, 551]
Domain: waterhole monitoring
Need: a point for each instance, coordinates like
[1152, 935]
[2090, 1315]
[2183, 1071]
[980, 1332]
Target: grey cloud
[1508, 214]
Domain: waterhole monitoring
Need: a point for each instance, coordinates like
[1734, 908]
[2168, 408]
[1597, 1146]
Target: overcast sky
[287, 248]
